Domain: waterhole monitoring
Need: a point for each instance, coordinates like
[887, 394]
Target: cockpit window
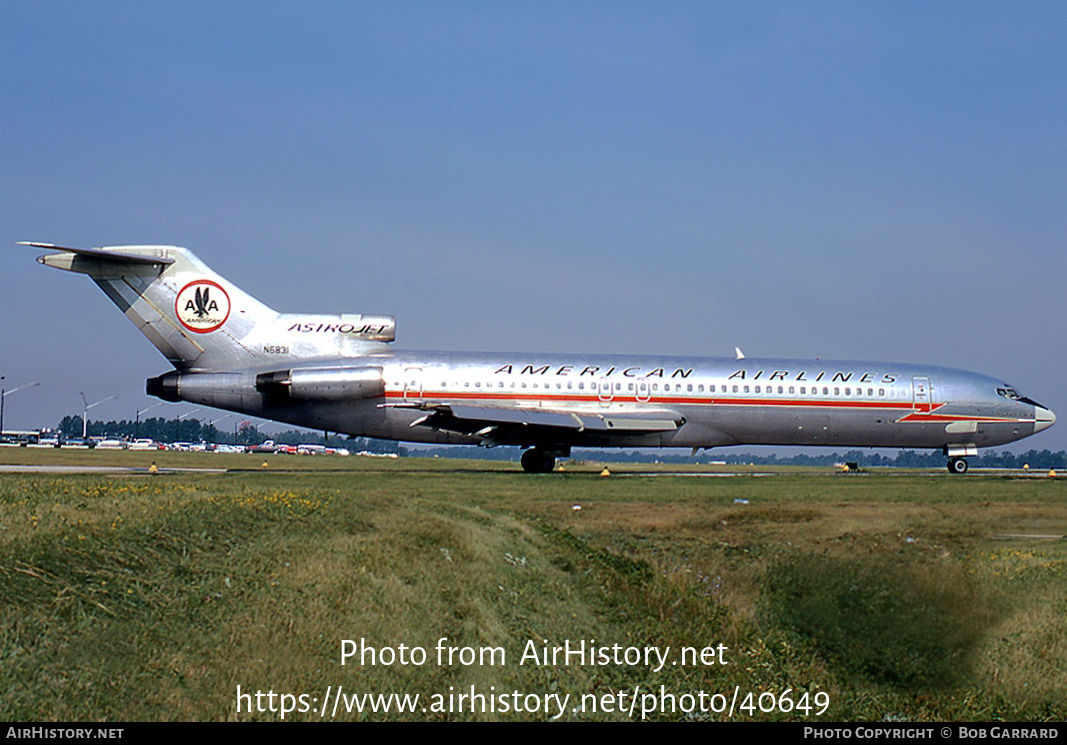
[1014, 395]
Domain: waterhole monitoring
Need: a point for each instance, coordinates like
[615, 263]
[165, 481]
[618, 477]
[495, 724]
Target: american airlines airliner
[340, 373]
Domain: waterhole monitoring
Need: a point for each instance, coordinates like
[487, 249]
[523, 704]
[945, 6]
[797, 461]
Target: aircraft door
[413, 384]
[606, 391]
[644, 390]
[921, 393]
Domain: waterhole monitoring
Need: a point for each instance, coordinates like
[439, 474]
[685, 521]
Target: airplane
[339, 373]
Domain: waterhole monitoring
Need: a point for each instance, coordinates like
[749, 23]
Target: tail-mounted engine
[323, 383]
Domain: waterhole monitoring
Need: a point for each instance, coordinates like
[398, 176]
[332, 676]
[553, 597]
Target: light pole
[178, 420]
[212, 423]
[85, 412]
[137, 423]
[4, 394]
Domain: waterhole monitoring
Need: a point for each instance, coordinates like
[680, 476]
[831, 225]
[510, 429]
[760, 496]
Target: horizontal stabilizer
[101, 254]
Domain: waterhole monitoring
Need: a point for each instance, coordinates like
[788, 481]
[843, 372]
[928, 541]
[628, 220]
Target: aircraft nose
[1043, 419]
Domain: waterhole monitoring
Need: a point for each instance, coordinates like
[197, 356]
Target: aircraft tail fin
[200, 321]
[194, 317]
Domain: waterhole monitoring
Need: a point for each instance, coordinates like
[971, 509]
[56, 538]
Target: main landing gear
[957, 465]
[536, 460]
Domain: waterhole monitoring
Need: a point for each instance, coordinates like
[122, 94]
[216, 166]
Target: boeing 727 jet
[340, 373]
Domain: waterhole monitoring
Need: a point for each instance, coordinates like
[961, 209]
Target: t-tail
[201, 322]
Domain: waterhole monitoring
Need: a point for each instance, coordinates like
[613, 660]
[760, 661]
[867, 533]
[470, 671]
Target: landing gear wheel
[537, 461]
[957, 465]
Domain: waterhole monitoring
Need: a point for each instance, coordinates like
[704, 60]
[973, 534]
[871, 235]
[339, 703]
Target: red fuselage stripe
[917, 412]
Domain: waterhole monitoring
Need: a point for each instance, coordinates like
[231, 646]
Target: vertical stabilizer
[203, 323]
[193, 316]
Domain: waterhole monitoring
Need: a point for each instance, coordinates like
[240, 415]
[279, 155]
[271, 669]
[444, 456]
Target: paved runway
[102, 469]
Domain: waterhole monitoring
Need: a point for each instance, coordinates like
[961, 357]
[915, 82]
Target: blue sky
[841, 180]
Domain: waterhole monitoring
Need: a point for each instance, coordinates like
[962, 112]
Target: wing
[497, 425]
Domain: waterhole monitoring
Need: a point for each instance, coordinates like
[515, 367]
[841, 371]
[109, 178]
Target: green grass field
[866, 596]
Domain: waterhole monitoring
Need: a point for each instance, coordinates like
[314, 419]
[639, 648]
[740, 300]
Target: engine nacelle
[323, 383]
[224, 390]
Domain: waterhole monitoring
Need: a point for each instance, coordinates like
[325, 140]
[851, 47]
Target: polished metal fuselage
[722, 401]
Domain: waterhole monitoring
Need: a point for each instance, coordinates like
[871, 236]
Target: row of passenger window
[688, 388]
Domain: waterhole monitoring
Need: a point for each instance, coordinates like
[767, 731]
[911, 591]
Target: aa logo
[202, 306]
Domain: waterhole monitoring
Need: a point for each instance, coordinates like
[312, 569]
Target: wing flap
[629, 423]
[521, 417]
[515, 425]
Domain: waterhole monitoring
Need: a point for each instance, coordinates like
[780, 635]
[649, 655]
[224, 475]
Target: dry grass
[131, 597]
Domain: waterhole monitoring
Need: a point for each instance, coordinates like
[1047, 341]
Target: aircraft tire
[957, 465]
[537, 461]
